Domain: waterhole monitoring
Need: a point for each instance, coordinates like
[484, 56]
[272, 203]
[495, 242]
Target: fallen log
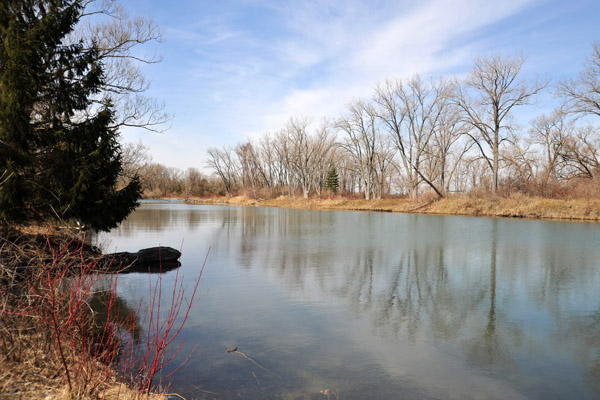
[153, 259]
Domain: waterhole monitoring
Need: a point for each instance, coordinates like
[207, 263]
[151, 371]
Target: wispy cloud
[354, 46]
[238, 68]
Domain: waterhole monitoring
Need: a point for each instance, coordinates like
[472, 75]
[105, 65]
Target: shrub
[59, 311]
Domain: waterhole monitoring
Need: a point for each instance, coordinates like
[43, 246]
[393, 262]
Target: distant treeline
[161, 181]
[416, 136]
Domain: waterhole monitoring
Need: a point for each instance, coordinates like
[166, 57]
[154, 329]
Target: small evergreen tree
[60, 162]
[333, 180]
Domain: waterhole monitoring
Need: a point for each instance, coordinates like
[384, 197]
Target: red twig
[58, 295]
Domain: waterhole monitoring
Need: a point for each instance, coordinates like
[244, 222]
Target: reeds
[65, 333]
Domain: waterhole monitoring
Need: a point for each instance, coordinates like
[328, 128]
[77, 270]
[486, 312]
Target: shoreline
[520, 207]
[75, 360]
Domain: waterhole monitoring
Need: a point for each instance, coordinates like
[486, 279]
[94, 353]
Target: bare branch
[491, 91]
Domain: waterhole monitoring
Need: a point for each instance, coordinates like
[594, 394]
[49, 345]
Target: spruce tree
[57, 161]
[333, 180]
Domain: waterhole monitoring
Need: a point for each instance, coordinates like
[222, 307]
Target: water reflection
[151, 268]
[380, 304]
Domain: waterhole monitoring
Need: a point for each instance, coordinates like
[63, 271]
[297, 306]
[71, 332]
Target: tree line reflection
[500, 294]
[483, 289]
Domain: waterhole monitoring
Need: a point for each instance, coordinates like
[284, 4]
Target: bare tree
[252, 170]
[522, 161]
[300, 152]
[347, 172]
[224, 165]
[555, 150]
[581, 154]
[268, 156]
[134, 157]
[282, 146]
[487, 97]
[159, 180]
[308, 152]
[553, 133]
[412, 113]
[476, 173]
[361, 141]
[392, 113]
[384, 163]
[194, 183]
[582, 95]
[447, 147]
[121, 40]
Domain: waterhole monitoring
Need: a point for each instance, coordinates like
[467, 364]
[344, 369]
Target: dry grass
[36, 377]
[334, 203]
[519, 206]
[515, 206]
[32, 366]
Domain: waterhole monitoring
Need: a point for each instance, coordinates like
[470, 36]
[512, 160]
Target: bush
[59, 311]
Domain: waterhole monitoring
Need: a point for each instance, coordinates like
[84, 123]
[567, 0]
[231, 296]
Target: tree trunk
[495, 150]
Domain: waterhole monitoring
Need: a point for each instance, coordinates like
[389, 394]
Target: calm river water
[373, 305]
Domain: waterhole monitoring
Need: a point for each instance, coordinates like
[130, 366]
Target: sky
[235, 69]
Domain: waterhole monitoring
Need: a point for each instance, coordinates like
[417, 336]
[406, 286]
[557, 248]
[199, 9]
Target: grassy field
[516, 206]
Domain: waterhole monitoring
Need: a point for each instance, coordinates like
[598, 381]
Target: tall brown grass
[506, 203]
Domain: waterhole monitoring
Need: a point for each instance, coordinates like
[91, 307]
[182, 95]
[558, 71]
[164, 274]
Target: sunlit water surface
[374, 305]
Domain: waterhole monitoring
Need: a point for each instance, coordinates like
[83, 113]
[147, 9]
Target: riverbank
[516, 206]
[57, 339]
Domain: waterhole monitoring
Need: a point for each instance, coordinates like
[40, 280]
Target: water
[372, 305]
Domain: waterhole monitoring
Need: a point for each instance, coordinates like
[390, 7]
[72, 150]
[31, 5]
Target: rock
[153, 259]
[154, 254]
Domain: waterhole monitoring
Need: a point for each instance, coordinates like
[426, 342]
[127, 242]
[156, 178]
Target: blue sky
[234, 69]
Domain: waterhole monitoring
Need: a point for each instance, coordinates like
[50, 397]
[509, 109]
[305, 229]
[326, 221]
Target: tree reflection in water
[504, 304]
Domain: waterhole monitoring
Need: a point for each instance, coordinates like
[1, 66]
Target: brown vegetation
[475, 204]
[64, 332]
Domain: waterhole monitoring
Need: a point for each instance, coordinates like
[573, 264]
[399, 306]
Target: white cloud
[357, 50]
[311, 58]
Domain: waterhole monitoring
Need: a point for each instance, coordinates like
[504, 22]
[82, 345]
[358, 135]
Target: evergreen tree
[57, 161]
[333, 180]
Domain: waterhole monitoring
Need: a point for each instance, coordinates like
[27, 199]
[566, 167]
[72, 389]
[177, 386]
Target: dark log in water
[153, 259]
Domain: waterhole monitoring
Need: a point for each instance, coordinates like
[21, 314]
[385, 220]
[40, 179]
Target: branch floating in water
[235, 350]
